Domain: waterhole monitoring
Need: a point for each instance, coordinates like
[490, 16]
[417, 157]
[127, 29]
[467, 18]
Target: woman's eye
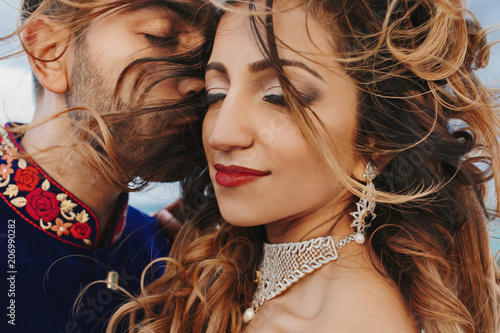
[214, 98]
[163, 42]
[279, 99]
[275, 99]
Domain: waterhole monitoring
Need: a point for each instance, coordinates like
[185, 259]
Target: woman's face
[262, 168]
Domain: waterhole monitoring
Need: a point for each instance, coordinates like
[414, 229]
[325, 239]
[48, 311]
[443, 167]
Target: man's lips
[234, 175]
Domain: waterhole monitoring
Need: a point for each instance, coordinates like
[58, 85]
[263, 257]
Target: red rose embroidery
[80, 230]
[27, 179]
[42, 205]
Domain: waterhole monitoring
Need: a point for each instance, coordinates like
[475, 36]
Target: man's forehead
[182, 8]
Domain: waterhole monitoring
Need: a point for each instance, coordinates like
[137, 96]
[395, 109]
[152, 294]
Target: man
[63, 179]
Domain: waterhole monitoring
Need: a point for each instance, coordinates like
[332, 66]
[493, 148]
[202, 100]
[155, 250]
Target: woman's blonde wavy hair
[431, 128]
[139, 139]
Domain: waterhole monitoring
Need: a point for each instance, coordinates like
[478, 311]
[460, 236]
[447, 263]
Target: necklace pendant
[285, 264]
[248, 315]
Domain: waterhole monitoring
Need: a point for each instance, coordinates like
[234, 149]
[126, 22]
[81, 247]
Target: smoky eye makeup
[216, 87]
[276, 99]
[310, 95]
[309, 91]
[275, 96]
[306, 88]
[212, 98]
[279, 99]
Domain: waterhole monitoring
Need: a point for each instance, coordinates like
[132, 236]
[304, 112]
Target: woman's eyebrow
[264, 64]
[219, 67]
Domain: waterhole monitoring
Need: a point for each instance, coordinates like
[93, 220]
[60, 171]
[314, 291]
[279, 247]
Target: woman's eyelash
[164, 42]
[275, 99]
[214, 98]
[309, 99]
[280, 99]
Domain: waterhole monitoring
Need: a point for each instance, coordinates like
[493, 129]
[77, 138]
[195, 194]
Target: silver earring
[364, 216]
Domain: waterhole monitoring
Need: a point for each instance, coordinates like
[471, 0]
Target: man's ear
[47, 44]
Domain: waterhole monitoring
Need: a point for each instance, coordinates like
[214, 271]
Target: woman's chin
[238, 219]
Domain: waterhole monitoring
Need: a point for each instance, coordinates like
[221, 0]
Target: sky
[16, 97]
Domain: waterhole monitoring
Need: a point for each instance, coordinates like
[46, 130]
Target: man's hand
[168, 221]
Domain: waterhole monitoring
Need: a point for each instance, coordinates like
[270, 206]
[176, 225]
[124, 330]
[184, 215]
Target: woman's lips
[233, 175]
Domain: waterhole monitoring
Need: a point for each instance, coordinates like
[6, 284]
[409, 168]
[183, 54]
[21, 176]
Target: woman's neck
[318, 223]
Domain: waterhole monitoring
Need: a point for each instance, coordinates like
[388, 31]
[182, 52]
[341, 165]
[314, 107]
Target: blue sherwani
[48, 252]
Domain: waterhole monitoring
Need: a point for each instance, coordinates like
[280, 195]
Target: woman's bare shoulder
[348, 296]
[365, 302]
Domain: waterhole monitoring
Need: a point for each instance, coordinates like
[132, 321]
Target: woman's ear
[46, 44]
[359, 169]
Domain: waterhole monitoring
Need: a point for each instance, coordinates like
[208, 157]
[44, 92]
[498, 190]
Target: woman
[346, 135]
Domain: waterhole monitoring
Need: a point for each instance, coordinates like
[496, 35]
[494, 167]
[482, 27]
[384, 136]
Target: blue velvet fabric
[49, 252]
[50, 275]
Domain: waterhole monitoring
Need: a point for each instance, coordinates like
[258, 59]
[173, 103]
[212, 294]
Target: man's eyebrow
[181, 9]
[263, 64]
[219, 67]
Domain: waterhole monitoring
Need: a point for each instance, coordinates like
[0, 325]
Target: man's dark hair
[28, 7]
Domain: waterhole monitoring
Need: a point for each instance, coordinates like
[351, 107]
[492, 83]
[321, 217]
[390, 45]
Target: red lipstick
[233, 175]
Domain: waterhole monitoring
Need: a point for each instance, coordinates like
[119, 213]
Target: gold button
[112, 280]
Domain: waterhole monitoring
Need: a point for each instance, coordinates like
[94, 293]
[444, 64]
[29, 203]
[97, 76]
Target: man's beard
[89, 87]
[145, 141]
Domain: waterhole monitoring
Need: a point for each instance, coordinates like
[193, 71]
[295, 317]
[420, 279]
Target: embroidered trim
[42, 202]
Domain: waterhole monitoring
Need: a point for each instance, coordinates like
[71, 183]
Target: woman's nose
[229, 127]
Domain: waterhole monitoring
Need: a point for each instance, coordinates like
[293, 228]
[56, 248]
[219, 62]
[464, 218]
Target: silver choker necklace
[285, 264]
